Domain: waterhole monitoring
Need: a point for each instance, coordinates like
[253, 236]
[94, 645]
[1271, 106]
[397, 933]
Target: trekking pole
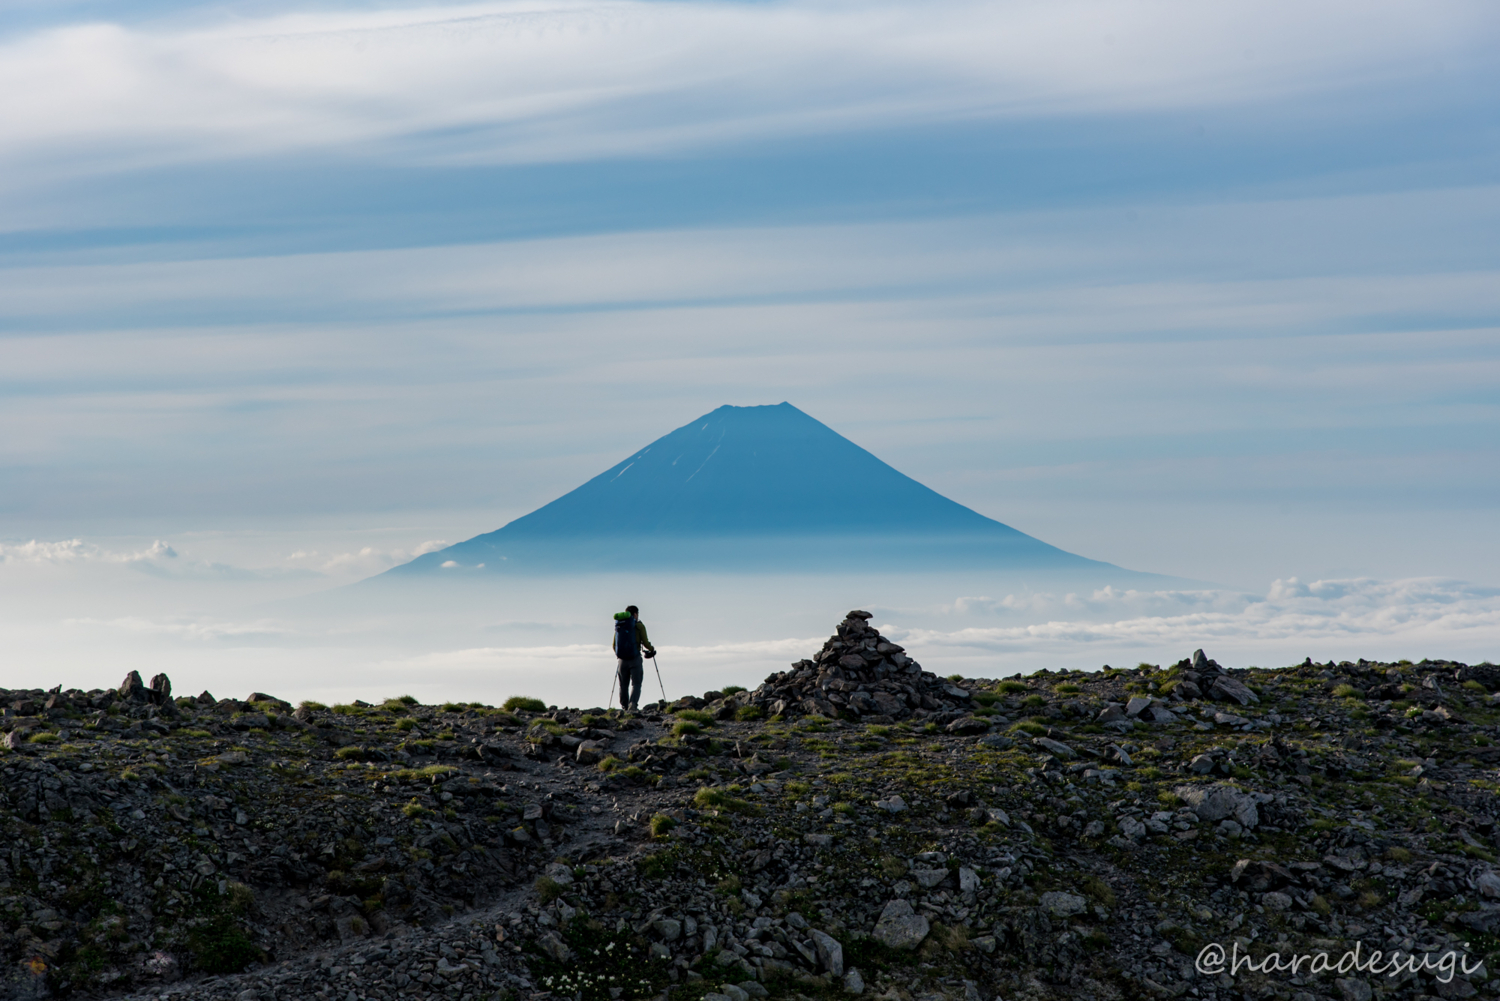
[614, 680]
[658, 677]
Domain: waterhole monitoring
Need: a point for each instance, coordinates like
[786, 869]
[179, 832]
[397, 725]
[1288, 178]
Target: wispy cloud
[189, 630]
[506, 82]
[1341, 617]
[77, 551]
[365, 562]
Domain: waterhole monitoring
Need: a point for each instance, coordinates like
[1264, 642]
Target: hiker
[630, 641]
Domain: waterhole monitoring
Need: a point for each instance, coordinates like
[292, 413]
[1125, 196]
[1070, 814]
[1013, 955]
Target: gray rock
[968, 881]
[1095, 829]
[900, 927]
[1488, 884]
[1276, 901]
[667, 929]
[853, 982]
[1187, 690]
[928, 878]
[1220, 802]
[1063, 905]
[892, 804]
[1110, 714]
[734, 992]
[998, 815]
[1227, 689]
[753, 988]
[830, 953]
[1056, 747]
[560, 874]
[996, 741]
[1354, 990]
[1201, 764]
[1135, 705]
[553, 945]
[1132, 828]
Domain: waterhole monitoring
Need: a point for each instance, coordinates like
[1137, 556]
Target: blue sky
[1208, 290]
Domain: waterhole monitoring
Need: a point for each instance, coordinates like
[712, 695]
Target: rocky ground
[851, 826]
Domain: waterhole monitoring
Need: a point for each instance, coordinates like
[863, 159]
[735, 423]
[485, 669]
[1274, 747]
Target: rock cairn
[861, 672]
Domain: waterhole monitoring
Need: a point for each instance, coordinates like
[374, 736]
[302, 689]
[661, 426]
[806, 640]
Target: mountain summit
[750, 488]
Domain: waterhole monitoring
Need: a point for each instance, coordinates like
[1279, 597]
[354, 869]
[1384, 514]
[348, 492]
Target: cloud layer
[548, 81]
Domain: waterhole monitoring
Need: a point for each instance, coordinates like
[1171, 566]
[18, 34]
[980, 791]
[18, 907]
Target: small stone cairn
[862, 672]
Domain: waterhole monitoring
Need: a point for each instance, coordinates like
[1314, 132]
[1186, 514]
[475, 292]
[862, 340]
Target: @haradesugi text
[1214, 959]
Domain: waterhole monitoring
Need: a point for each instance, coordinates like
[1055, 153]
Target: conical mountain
[749, 488]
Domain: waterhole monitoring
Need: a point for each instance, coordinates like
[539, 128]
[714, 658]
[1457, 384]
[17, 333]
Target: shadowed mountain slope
[750, 488]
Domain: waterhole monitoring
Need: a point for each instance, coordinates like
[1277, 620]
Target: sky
[290, 294]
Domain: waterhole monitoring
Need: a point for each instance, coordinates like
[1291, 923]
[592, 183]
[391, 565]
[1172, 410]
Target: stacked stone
[861, 672]
[1204, 678]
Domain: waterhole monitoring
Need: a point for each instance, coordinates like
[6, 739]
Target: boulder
[133, 689]
[1221, 802]
[928, 878]
[830, 953]
[1063, 905]
[1227, 689]
[1056, 747]
[900, 927]
[1187, 690]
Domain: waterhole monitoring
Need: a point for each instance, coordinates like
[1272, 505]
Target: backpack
[627, 646]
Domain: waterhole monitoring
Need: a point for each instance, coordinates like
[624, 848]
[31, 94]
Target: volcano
[750, 488]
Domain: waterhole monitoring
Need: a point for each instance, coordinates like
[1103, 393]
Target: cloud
[187, 629]
[364, 562]
[1357, 613]
[76, 551]
[528, 81]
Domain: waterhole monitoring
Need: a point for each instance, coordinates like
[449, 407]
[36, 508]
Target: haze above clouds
[289, 296]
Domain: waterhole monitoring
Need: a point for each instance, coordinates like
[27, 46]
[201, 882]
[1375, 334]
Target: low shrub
[522, 703]
[548, 889]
